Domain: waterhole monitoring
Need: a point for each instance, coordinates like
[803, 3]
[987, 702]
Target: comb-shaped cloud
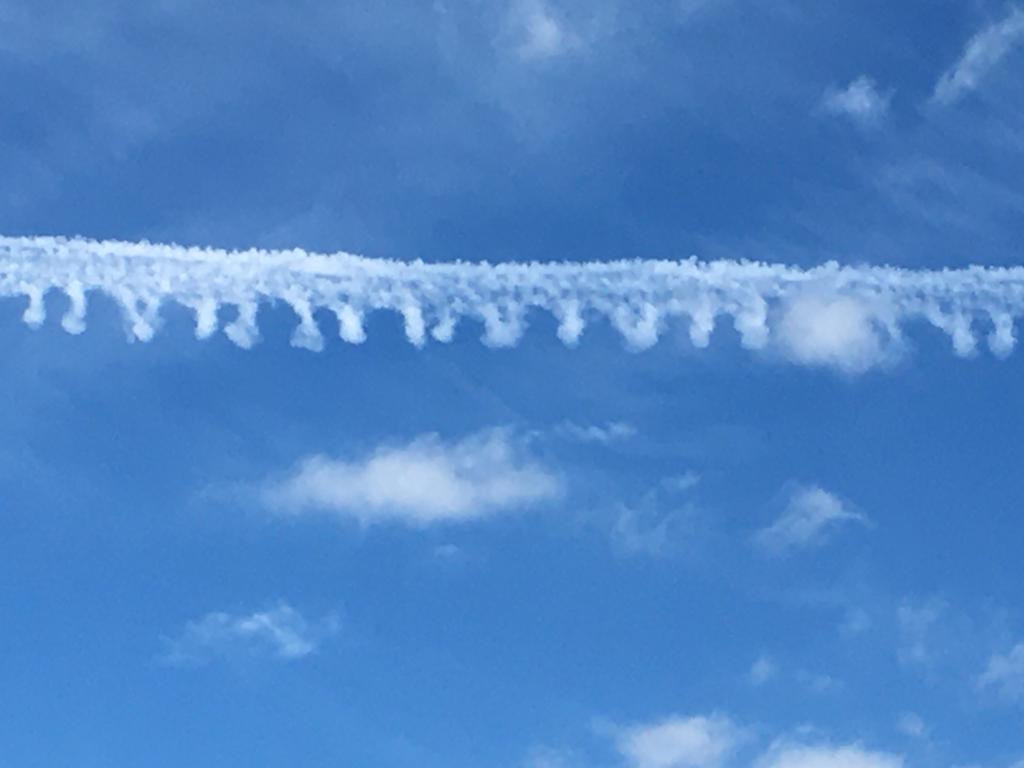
[845, 316]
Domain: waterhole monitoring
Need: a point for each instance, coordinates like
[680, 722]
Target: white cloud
[1005, 673]
[541, 34]
[280, 632]
[860, 101]
[839, 332]
[984, 51]
[612, 432]
[763, 670]
[426, 481]
[810, 516]
[679, 742]
[787, 755]
[846, 317]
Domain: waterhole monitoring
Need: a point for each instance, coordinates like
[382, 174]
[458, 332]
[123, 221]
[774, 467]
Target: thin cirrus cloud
[850, 317]
[985, 51]
[423, 482]
[810, 517]
[860, 101]
[279, 632]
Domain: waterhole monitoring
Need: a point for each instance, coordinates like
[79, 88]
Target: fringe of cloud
[847, 316]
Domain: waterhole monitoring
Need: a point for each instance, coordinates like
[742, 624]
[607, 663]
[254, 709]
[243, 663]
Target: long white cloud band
[637, 297]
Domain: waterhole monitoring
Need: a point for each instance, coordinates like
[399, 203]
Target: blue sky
[541, 555]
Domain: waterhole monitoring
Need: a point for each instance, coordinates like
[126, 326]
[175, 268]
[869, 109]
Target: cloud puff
[280, 632]
[787, 755]
[861, 101]
[679, 742]
[984, 51]
[839, 332]
[828, 315]
[1005, 673]
[423, 482]
[540, 34]
[810, 516]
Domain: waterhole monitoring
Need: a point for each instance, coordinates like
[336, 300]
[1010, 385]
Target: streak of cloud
[842, 316]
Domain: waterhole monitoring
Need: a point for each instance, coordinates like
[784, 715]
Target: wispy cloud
[984, 51]
[541, 34]
[811, 515]
[422, 482]
[911, 724]
[679, 742]
[848, 317]
[1005, 673]
[762, 671]
[611, 432]
[917, 622]
[860, 101]
[790, 755]
[280, 632]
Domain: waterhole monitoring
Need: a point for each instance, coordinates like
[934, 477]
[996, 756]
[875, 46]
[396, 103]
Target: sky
[460, 508]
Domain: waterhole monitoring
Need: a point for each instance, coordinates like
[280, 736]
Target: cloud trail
[861, 308]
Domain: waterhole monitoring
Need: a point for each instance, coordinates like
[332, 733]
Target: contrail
[829, 304]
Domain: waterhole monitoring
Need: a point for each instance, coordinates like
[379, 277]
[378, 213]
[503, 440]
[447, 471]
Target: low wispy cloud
[984, 52]
[762, 671]
[785, 754]
[423, 482]
[679, 742]
[811, 516]
[1005, 673]
[539, 31]
[911, 724]
[860, 101]
[844, 317]
[280, 632]
[917, 622]
[605, 434]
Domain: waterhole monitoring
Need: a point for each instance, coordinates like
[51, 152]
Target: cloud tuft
[424, 482]
[860, 101]
[280, 632]
[811, 515]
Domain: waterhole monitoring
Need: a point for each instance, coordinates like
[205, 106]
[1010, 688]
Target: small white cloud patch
[679, 742]
[280, 632]
[1005, 673]
[810, 516]
[542, 35]
[860, 101]
[424, 482]
[838, 332]
[786, 755]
